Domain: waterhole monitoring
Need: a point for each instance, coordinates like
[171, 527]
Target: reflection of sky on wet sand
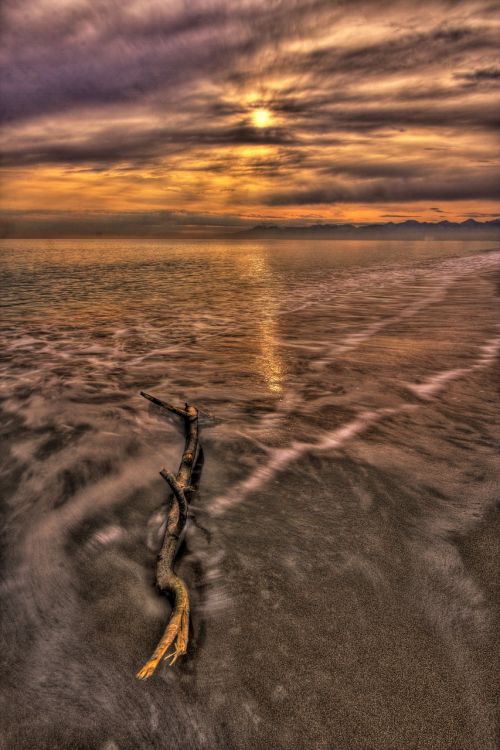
[350, 457]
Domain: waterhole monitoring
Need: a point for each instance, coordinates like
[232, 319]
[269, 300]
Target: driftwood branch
[176, 632]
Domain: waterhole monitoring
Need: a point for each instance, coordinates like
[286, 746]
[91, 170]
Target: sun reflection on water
[268, 358]
[271, 362]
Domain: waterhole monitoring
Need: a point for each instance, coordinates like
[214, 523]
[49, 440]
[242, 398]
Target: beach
[341, 556]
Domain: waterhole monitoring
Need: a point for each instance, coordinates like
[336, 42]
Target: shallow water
[342, 554]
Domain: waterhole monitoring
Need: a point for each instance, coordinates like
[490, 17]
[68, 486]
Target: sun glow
[261, 118]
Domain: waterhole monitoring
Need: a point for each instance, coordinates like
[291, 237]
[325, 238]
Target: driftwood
[176, 632]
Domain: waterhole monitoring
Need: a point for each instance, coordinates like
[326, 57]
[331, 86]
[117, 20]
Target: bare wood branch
[180, 496]
[163, 404]
[176, 632]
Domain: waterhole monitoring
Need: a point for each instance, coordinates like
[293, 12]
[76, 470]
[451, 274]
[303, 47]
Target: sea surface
[343, 549]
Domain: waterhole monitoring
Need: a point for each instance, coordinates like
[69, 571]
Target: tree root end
[176, 634]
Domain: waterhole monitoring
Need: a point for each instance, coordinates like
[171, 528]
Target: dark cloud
[112, 146]
[372, 169]
[405, 53]
[480, 75]
[126, 85]
[478, 186]
[117, 224]
[370, 118]
[91, 53]
[104, 52]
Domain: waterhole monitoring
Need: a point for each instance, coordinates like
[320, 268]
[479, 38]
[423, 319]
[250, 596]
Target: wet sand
[342, 558]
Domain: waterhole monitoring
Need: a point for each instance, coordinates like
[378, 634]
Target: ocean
[342, 552]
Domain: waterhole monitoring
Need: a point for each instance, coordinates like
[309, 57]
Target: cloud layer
[147, 105]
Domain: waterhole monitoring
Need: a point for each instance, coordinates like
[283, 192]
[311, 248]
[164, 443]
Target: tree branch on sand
[176, 632]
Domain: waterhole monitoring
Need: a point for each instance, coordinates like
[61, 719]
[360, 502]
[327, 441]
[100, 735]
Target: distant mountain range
[159, 225]
[466, 230]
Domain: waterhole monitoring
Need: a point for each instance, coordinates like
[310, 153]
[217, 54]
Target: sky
[208, 116]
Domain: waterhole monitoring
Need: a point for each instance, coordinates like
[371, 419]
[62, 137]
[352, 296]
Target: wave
[280, 458]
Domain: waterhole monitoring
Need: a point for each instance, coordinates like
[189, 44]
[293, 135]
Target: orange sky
[235, 113]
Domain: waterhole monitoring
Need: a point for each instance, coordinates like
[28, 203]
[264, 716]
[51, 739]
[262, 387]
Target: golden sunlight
[261, 118]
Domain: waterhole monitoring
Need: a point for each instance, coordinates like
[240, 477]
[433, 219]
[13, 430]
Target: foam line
[435, 383]
[280, 458]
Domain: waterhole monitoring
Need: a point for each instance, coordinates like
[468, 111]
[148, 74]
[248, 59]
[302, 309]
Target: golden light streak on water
[268, 358]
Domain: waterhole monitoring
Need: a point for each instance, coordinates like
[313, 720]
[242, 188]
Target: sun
[261, 118]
